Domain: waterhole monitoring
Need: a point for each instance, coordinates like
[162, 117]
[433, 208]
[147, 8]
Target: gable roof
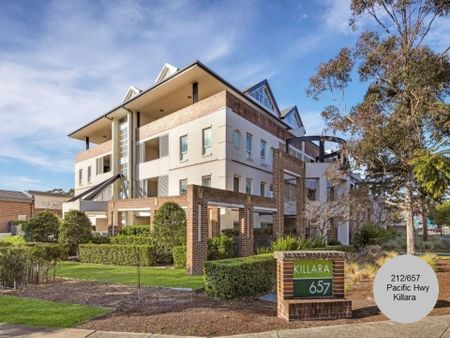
[12, 195]
[166, 71]
[263, 83]
[292, 110]
[131, 92]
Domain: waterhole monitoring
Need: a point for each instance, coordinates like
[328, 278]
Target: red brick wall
[10, 211]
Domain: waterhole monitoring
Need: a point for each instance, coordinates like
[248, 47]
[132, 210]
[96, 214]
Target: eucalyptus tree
[404, 108]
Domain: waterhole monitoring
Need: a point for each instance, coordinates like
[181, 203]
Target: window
[331, 193]
[103, 165]
[262, 188]
[312, 187]
[248, 186]
[237, 139]
[262, 151]
[183, 187]
[236, 184]
[248, 145]
[261, 96]
[183, 147]
[206, 181]
[271, 155]
[89, 173]
[80, 177]
[271, 190]
[207, 141]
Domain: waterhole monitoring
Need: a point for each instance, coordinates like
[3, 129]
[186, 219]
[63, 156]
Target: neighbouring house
[14, 206]
[231, 158]
[21, 206]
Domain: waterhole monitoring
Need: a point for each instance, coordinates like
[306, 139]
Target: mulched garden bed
[191, 313]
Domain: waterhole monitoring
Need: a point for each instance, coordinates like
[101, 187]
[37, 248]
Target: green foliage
[43, 227]
[75, 229]
[261, 232]
[179, 256]
[431, 259]
[117, 254]
[432, 171]
[131, 239]
[14, 262]
[263, 250]
[100, 239]
[371, 234]
[13, 240]
[169, 230]
[220, 247]
[398, 243]
[289, 242]
[230, 232]
[441, 213]
[136, 230]
[239, 277]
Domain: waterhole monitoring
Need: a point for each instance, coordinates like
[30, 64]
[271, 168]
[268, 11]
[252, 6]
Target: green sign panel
[313, 278]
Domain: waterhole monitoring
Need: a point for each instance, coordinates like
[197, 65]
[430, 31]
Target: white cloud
[18, 182]
[83, 56]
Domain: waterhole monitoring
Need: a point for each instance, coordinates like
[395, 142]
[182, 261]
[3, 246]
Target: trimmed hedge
[179, 256]
[117, 254]
[131, 239]
[240, 277]
[130, 230]
[220, 247]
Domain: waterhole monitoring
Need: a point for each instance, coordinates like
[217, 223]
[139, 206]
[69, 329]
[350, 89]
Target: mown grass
[27, 311]
[150, 276]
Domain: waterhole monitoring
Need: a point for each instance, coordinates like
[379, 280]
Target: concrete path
[430, 327]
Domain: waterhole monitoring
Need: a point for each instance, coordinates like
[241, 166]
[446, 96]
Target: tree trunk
[410, 247]
[424, 222]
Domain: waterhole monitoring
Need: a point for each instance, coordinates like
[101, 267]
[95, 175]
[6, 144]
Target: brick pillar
[214, 214]
[278, 193]
[246, 231]
[197, 230]
[300, 206]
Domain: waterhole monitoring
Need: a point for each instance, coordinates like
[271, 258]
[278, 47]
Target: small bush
[13, 240]
[371, 234]
[333, 242]
[398, 243]
[388, 255]
[239, 277]
[117, 254]
[43, 227]
[263, 250]
[289, 242]
[136, 230]
[179, 256]
[75, 229]
[431, 259]
[230, 232]
[14, 263]
[131, 239]
[99, 239]
[220, 247]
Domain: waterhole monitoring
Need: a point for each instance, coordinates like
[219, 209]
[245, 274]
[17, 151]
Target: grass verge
[150, 276]
[27, 311]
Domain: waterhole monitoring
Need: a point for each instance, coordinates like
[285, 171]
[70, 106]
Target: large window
[248, 145]
[183, 187]
[207, 141]
[262, 151]
[262, 97]
[248, 186]
[103, 165]
[80, 176]
[312, 188]
[236, 181]
[183, 147]
[237, 139]
[262, 188]
[89, 174]
[206, 181]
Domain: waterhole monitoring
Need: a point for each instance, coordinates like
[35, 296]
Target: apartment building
[192, 127]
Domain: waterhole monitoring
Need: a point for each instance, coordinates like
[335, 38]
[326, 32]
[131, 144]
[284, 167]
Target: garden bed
[193, 313]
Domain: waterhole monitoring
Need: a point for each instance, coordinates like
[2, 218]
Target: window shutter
[163, 186]
[164, 145]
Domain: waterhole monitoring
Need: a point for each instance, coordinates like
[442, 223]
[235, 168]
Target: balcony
[101, 149]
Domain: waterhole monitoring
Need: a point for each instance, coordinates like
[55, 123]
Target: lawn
[163, 277]
[18, 310]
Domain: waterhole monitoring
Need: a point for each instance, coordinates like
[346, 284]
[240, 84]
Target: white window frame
[184, 154]
[206, 149]
[248, 145]
[179, 186]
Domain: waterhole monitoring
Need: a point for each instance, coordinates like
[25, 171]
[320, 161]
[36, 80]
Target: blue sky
[63, 63]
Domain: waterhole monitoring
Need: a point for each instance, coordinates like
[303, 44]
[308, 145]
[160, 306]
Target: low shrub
[220, 247]
[239, 277]
[398, 243]
[261, 232]
[263, 250]
[290, 242]
[14, 240]
[131, 239]
[230, 232]
[14, 265]
[371, 234]
[44, 227]
[431, 259]
[179, 256]
[117, 254]
[136, 230]
[99, 239]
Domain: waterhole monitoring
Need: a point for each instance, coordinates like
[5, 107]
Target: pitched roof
[11, 195]
[48, 193]
[265, 83]
[285, 111]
